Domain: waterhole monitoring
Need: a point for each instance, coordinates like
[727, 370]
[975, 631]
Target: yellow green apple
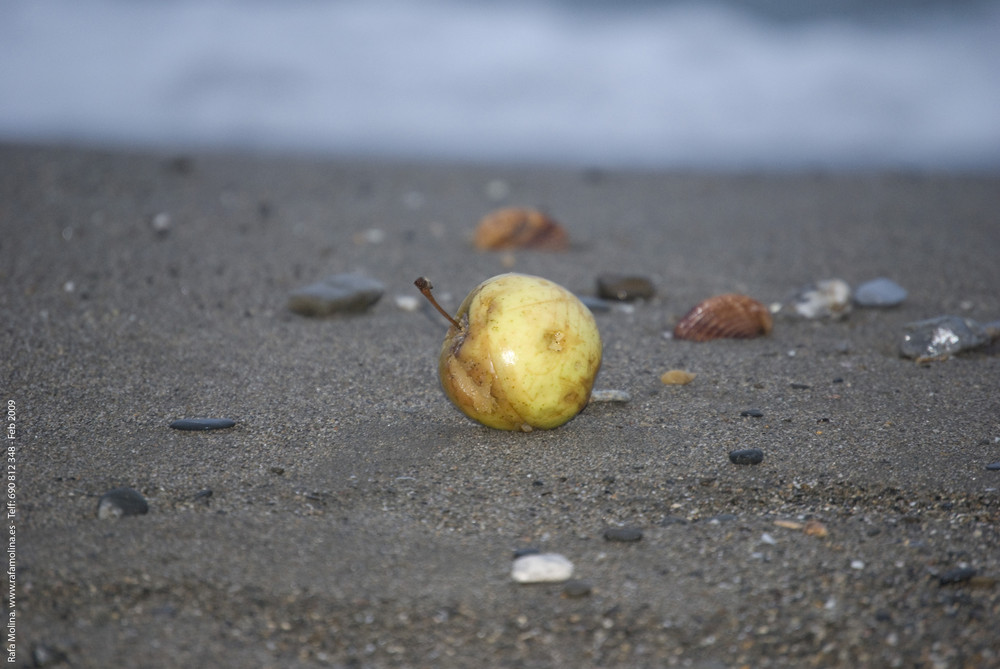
[522, 353]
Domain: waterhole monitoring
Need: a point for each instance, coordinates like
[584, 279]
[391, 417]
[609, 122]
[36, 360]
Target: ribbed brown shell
[520, 228]
[731, 316]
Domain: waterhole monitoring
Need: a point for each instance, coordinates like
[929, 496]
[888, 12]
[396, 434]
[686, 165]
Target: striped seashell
[520, 228]
[729, 316]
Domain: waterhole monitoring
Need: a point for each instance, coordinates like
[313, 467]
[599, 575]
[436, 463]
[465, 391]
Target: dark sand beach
[354, 518]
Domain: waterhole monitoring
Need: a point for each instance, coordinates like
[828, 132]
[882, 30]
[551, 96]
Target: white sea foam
[652, 84]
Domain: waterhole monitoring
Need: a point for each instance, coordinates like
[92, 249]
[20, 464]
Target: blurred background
[774, 84]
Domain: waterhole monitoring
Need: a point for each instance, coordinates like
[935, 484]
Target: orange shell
[731, 316]
[520, 228]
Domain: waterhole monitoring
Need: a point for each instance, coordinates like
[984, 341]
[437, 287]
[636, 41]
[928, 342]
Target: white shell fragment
[879, 292]
[830, 298]
[609, 395]
[542, 568]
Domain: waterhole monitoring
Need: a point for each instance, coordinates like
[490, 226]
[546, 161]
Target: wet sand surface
[354, 518]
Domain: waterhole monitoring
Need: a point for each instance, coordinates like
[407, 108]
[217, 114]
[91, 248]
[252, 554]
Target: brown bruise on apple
[528, 357]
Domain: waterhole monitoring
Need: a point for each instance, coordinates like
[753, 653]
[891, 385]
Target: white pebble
[407, 302]
[161, 223]
[497, 189]
[857, 564]
[767, 539]
[541, 568]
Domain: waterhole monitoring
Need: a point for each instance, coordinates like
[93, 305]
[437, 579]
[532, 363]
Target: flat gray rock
[336, 294]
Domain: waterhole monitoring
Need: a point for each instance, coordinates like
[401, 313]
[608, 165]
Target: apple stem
[425, 287]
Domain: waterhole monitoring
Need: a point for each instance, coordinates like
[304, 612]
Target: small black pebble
[121, 502]
[595, 304]
[624, 288]
[278, 470]
[957, 575]
[752, 413]
[521, 552]
[623, 534]
[746, 456]
[577, 588]
[801, 386]
[202, 424]
[993, 466]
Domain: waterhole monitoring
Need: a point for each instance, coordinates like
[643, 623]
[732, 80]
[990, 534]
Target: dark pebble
[993, 466]
[530, 550]
[202, 424]
[752, 413]
[624, 288]
[595, 304]
[800, 386]
[121, 502]
[957, 575]
[577, 588]
[623, 534]
[746, 456]
[339, 293]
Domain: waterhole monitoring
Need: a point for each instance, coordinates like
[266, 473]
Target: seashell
[520, 228]
[729, 316]
[677, 377]
[830, 298]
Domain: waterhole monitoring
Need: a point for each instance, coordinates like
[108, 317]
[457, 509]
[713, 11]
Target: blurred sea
[774, 84]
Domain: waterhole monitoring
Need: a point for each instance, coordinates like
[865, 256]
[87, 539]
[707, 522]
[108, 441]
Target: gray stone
[879, 292]
[339, 293]
[746, 456]
[196, 424]
[624, 288]
[121, 502]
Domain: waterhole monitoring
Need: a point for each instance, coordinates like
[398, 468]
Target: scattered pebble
[879, 292]
[993, 466]
[595, 304]
[677, 377]
[335, 294]
[624, 288]
[202, 424]
[815, 528]
[939, 338]
[957, 575]
[407, 302]
[577, 588]
[789, 524]
[607, 395]
[542, 568]
[370, 236]
[766, 538]
[623, 534]
[746, 456]
[830, 298]
[497, 189]
[528, 550]
[121, 502]
[752, 413]
[857, 564]
[161, 223]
